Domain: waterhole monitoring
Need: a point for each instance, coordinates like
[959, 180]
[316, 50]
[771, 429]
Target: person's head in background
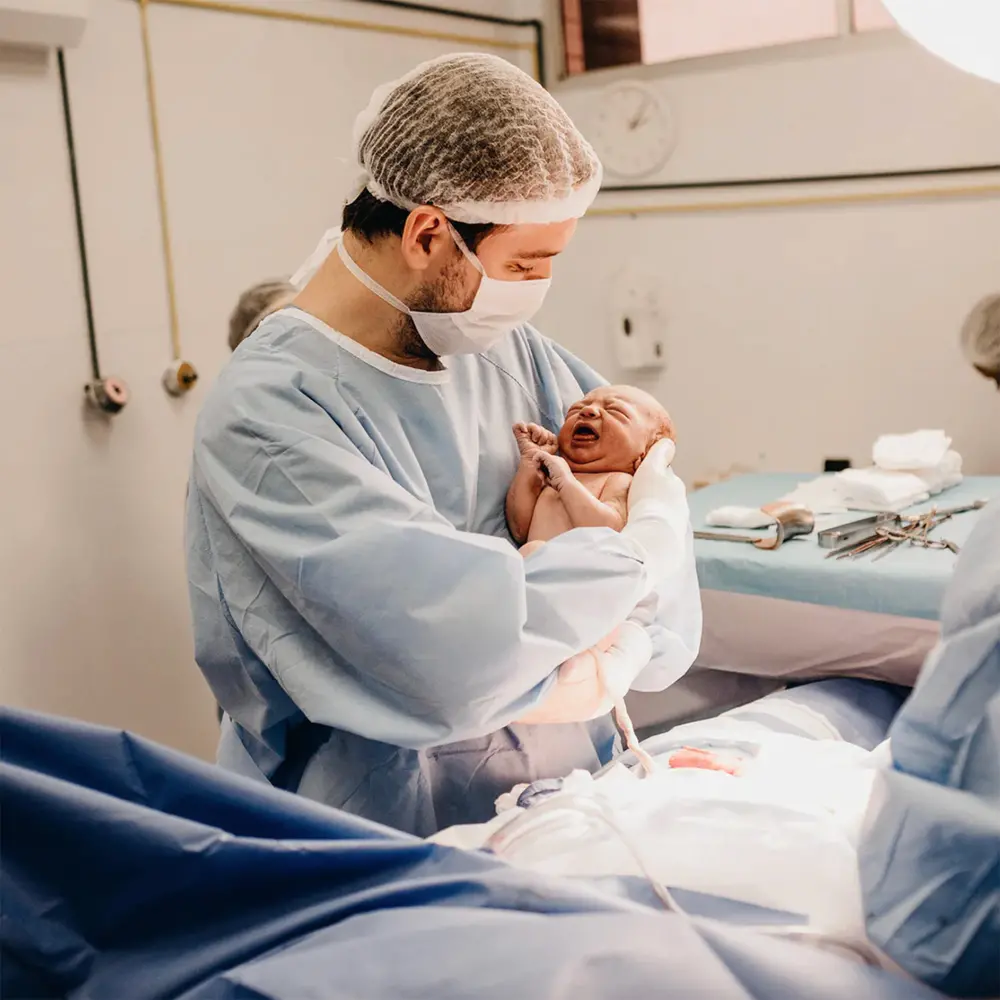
[254, 304]
[981, 338]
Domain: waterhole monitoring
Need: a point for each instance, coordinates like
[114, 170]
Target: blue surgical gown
[359, 610]
[930, 857]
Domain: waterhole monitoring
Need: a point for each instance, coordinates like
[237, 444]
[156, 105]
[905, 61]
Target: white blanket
[781, 834]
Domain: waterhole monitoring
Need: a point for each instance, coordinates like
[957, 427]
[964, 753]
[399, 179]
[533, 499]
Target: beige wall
[792, 333]
[798, 333]
[256, 119]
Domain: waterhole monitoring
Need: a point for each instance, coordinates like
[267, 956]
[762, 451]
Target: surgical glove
[579, 694]
[658, 515]
[881, 757]
[620, 663]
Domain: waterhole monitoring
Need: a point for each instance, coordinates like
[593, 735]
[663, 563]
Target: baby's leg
[529, 548]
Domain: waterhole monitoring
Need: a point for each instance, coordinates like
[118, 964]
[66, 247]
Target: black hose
[95, 363]
[875, 175]
[539, 29]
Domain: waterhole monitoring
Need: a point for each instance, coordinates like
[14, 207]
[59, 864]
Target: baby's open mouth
[584, 433]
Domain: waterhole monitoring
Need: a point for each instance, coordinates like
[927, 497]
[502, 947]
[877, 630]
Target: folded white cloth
[877, 490]
[919, 450]
[821, 496]
[738, 517]
[947, 473]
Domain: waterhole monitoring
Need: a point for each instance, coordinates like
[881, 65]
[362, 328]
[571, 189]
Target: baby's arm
[528, 480]
[522, 498]
[615, 496]
[584, 509]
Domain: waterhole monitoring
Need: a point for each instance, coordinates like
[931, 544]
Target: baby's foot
[531, 436]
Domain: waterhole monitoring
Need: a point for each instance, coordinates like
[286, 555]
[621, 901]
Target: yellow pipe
[805, 201]
[277, 14]
[274, 14]
[154, 125]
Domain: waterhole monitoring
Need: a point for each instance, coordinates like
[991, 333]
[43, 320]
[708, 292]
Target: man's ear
[426, 240]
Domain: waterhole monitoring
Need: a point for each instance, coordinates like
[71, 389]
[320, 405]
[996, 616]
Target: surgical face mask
[499, 306]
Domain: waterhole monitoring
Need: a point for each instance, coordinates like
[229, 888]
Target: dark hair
[370, 219]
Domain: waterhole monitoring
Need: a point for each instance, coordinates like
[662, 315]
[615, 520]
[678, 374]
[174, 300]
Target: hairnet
[253, 305]
[981, 334]
[478, 138]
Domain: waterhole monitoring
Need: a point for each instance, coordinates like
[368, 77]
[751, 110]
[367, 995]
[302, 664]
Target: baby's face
[611, 429]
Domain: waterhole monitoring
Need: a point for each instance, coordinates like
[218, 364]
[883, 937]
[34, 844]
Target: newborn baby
[581, 479]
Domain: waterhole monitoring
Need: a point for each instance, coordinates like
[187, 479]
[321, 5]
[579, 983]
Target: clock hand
[640, 115]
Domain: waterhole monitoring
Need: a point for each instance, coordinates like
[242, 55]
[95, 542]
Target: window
[871, 15]
[683, 29]
[603, 33]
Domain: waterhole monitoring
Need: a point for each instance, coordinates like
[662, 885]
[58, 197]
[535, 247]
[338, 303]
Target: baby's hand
[531, 437]
[554, 467]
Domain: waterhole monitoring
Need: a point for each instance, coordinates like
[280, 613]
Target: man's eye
[519, 268]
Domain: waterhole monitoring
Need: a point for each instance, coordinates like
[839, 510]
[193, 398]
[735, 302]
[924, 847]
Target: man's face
[511, 253]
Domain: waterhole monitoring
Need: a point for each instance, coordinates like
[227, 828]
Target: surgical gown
[930, 857]
[359, 609]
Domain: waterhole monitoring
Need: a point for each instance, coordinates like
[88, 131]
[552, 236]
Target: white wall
[795, 333]
[255, 116]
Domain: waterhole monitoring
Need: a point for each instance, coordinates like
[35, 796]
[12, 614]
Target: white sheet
[783, 834]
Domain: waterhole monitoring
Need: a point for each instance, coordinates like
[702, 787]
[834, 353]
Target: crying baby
[581, 479]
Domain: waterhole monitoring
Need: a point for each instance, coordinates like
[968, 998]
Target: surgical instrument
[789, 521]
[855, 532]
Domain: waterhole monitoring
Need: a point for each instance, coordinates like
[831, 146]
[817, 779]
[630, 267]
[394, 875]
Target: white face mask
[499, 306]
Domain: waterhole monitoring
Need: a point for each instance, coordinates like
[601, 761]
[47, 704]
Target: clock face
[632, 131]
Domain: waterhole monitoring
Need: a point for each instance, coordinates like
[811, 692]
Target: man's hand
[585, 688]
[531, 437]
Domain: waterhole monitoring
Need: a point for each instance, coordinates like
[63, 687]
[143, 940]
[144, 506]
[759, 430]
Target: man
[359, 610]
[930, 856]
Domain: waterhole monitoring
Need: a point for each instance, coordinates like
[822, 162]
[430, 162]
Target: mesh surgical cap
[981, 335]
[478, 138]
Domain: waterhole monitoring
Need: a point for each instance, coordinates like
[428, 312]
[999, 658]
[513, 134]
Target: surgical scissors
[912, 529]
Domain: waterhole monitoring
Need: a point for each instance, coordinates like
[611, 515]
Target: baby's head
[612, 428]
